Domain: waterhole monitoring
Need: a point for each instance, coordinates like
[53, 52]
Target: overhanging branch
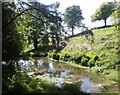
[15, 18]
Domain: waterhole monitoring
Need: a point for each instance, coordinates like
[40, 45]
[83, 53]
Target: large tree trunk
[105, 21]
[72, 30]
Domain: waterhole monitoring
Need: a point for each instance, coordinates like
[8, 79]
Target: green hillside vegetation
[100, 56]
[37, 48]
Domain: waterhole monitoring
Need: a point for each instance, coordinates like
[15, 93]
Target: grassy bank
[100, 55]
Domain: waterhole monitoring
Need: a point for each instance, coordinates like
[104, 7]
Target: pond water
[89, 86]
[61, 73]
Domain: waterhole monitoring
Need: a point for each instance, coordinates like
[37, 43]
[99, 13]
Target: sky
[88, 8]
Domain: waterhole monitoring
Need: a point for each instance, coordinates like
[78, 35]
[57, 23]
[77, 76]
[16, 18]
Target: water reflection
[40, 63]
[59, 82]
[59, 77]
[51, 68]
[64, 74]
[25, 63]
[88, 86]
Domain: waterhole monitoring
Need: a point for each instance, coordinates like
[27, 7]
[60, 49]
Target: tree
[116, 17]
[12, 40]
[28, 23]
[103, 12]
[39, 20]
[73, 17]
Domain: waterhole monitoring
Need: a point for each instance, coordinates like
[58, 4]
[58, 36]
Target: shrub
[91, 63]
[99, 63]
[113, 75]
[66, 57]
[25, 55]
[78, 59]
[104, 62]
[8, 70]
[106, 72]
[56, 56]
[84, 61]
[96, 70]
[96, 58]
[110, 45]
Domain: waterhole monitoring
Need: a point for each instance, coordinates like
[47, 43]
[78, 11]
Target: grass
[105, 46]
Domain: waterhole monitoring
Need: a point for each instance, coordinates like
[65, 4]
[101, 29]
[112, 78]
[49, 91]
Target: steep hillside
[100, 55]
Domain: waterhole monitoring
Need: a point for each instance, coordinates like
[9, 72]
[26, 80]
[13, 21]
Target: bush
[25, 55]
[66, 57]
[96, 58]
[96, 70]
[103, 62]
[113, 75]
[84, 61]
[91, 63]
[78, 59]
[56, 56]
[8, 69]
[40, 54]
[106, 72]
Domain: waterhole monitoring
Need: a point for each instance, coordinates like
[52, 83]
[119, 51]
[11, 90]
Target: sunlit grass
[105, 43]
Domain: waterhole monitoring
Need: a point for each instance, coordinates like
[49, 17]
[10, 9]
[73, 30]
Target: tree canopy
[73, 17]
[116, 16]
[29, 23]
[103, 12]
[12, 40]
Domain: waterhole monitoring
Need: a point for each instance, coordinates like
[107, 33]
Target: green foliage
[26, 84]
[72, 89]
[103, 12]
[45, 40]
[110, 45]
[84, 61]
[56, 56]
[91, 63]
[78, 59]
[20, 83]
[90, 38]
[103, 56]
[25, 56]
[8, 70]
[115, 17]
[12, 39]
[73, 17]
[28, 24]
[113, 75]
[96, 70]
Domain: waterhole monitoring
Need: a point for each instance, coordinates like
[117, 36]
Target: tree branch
[15, 18]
